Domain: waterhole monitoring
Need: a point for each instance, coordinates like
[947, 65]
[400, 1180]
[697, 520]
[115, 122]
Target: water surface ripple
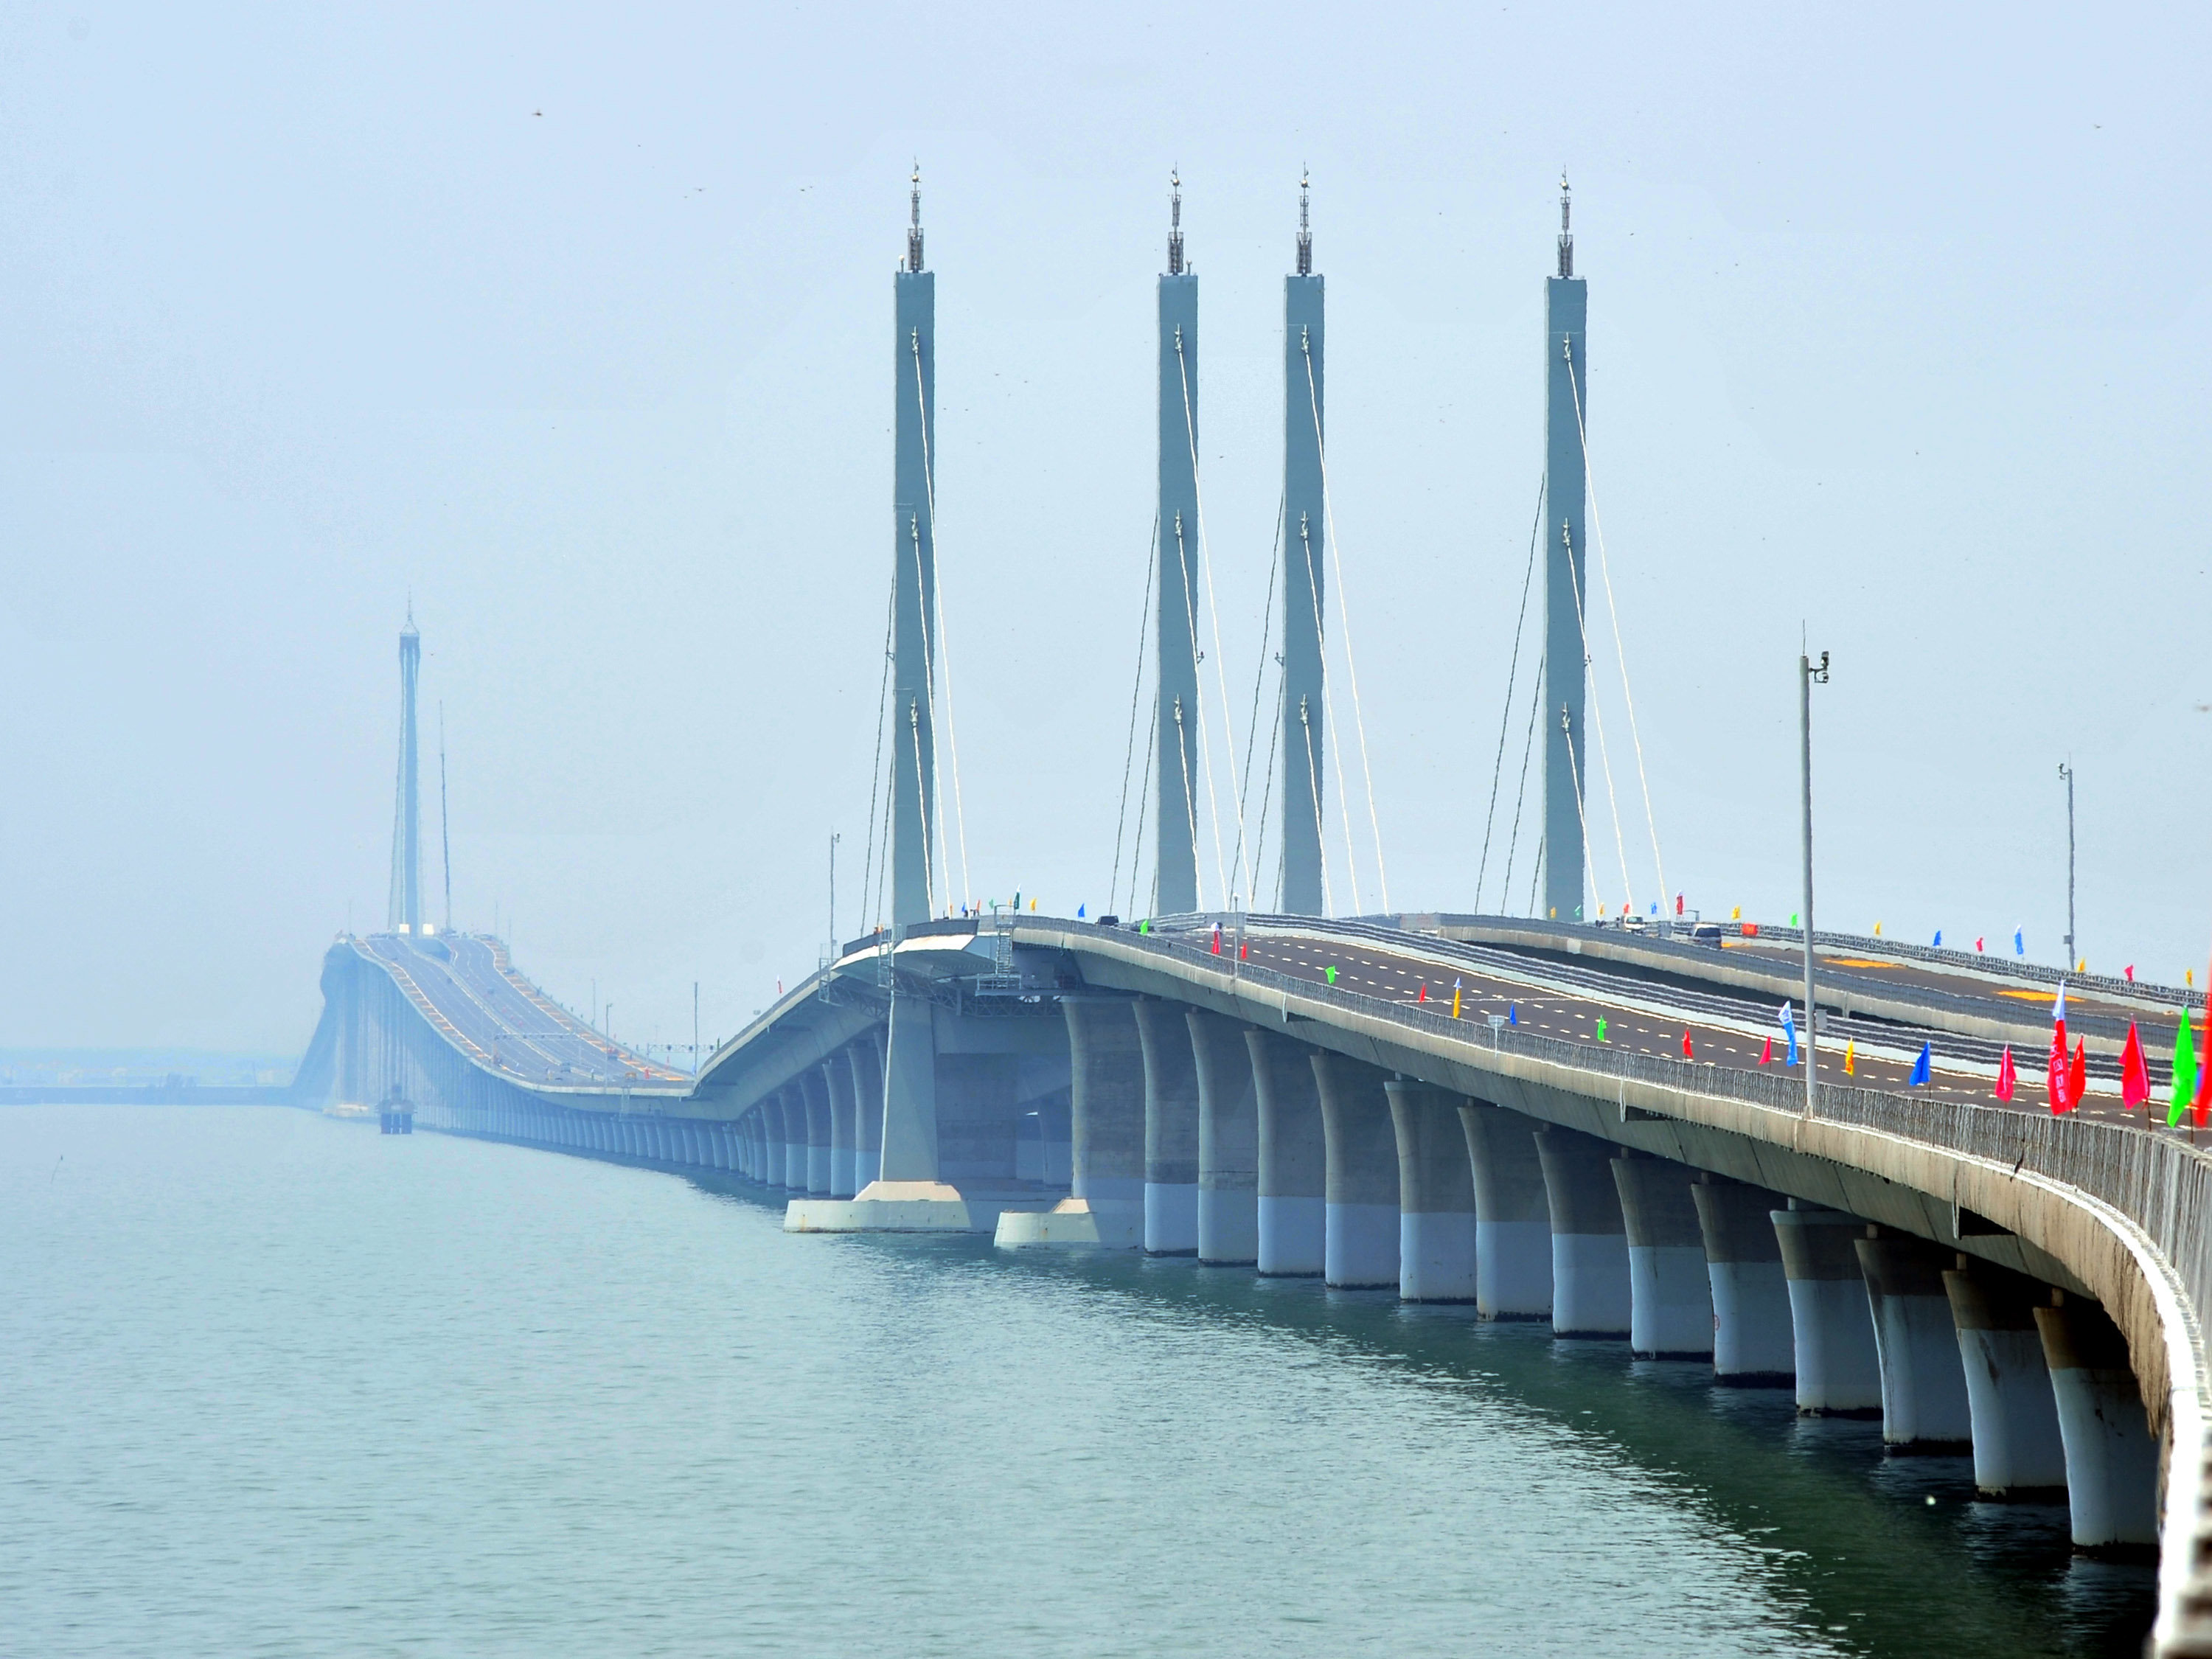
[277, 1385]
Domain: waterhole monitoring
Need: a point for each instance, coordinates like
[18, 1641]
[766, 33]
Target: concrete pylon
[838, 1075]
[1670, 1293]
[1304, 738]
[1838, 1364]
[913, 585]
[1228, 1140]
[1361, 1220]
[1923, 1383]
[815, 1089]
[1566, 407]
[865, 1058]
[1171, 1110]
[2111, 1460]
[1512, 1216]
[1106, 1114]
[1590, 1292]
[1293, 1157]
[1753, 1345]
[2018, 1454]
[1435, 1195]
[1179, 774]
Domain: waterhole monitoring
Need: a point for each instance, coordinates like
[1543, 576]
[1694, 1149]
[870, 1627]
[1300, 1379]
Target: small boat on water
[351, 1111]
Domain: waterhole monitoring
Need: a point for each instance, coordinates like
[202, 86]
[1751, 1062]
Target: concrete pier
[1590, 1240]
[1435, 1195]
[865, 1060]
[838, 1075]
[816, 1090]
[1171, 1111]
[781, 1158]
[1753, 1346]
[1228, 1140]
[1670, 1294]
[1512, 1217]
[1293, 1204]
[1360, 1237]
[1923, 1383]
[2112, 1460]
[2018, 1455]
[1106, 1110]
[1838, 1366]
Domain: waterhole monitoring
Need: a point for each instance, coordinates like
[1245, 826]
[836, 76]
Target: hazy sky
[576, 325]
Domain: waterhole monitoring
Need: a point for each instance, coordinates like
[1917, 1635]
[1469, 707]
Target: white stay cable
[1205, 752]
[1320, 834]
[921, 801]
[1143, 798]
[929, 693]
[1213, 612]
[876, 768]
[1136, 691]
[1344, 616]
[1613, 611]
[1335, 750]
[1267, 778]
[1604, 759]
[1252, 725]
[944, 653]
[1574, 772]
[1190, 808]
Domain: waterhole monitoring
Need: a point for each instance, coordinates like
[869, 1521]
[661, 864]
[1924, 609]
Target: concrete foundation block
[1073, 1224]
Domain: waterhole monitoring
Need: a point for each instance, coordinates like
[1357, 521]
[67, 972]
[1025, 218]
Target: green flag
[2184, 1072]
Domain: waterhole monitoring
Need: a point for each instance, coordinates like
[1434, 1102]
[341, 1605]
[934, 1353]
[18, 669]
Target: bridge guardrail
[2162, 1185]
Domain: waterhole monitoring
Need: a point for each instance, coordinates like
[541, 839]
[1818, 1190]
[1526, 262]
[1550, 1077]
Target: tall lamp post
[2066, 772]
[1808, 674]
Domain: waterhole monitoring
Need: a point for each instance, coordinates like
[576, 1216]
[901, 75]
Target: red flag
[1422, 995]
[2135, 1076]
[2130, 971]
[2077, 1076]
[2008, 1077]
[1678, 904]
[1686, 1052]
[1244, 953]
[2055, 1068]
[1217, 938]
[1766, 1055]
[2203, 1104]
[1978, 945]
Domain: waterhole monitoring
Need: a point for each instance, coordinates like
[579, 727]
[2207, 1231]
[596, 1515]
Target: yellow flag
[1850, 1059]
[1877, 930]
[1455, 1002]
[1736, 914]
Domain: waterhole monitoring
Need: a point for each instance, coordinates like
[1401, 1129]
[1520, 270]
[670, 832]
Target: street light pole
[1807, 673]
[2067, 773]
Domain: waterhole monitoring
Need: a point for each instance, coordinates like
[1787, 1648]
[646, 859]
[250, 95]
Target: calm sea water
[273, 1384]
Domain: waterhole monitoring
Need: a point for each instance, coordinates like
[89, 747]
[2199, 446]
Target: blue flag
[1078, 916]
[1939, 938]
[1919, 1068]
[1790, 1031]
[2019, 945]
[1513, 1013]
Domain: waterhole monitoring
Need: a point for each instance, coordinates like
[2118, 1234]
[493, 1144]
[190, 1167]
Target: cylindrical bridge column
[1228, 1140]
[1293, 1158]
[2018, 1453]
[1670, 1296]
[788, 1134]
[1512, 1218]
[1923, 1383]
[1839, 1367]
[866, 1058]
[816, 1090]
[1106, 1116]
[1360, 1244]
[837, 1073]
[1435, 1195]
[1590, 1240]
[1753, 1344]
[2112, 1460]
[1171, 1129]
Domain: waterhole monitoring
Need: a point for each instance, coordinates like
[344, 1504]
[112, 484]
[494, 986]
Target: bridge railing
[2162, 1184]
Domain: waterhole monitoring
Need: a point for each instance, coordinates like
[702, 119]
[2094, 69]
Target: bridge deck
[471, 995]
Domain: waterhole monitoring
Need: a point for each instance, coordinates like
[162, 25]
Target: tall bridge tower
[1303, 739]
[910, 1126]
[403, 912]
[914, 583]
[1566, 595]
[1181, 762]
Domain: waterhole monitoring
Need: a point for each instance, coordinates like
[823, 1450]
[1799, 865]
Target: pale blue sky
[576, 325]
